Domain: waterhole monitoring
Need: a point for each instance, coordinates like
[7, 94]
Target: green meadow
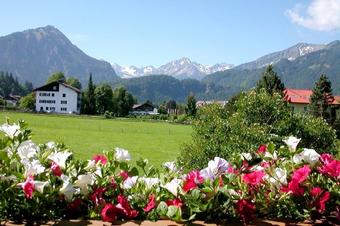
[85, 135]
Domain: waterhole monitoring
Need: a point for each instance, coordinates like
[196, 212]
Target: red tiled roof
[302, 96]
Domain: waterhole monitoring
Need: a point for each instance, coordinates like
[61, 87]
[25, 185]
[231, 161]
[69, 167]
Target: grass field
[85, 136]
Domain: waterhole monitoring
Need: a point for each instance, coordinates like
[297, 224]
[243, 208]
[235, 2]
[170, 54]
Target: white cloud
[320, 15]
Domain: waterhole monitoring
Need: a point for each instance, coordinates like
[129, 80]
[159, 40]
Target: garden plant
[44, 182]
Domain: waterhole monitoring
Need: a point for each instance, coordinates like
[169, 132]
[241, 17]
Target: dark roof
[49, 87]
[145, 105]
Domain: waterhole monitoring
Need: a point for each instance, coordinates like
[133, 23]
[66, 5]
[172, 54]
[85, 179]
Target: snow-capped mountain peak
[180, 69]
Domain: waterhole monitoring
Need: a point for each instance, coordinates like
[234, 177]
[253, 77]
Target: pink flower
[326, 158]
[109, 213]
[321, 197]
[253, 178]
[192, 180]
[56, 169]
[124, 175]
[265, 164]
[28, 187]
[301, 174]
[294, 188]
[125, 207]
[232, 170]
[262, 149]
[100, 158]
[175, 202]
[246, 210]
[151, 204]
[331, 168]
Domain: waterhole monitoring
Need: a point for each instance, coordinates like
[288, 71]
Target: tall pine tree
[270, 81]
[321, 99]
[89, 100]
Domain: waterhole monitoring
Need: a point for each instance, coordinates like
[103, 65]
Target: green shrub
[256, 118]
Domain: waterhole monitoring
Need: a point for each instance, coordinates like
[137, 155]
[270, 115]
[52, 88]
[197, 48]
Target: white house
[58, 97]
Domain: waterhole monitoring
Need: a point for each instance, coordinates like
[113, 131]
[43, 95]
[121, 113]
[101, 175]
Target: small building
[12, 100]
[299, 99]
[58, 97]
[144, 109]
[201, 103]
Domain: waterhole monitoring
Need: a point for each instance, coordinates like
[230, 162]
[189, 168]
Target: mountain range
[34, 54]
[181, 69]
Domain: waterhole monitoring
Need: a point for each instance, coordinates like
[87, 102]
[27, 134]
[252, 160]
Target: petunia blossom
[28, 187]
[292, 143]
[173, 186]
[27, 149]
[130, 182]
[110, 213]
[253, 178]
[100, 159]
[10, 131]
[192, 180]
[60, 158]
[32, 168]
[151, 203]
[122, 154]
[307, 155]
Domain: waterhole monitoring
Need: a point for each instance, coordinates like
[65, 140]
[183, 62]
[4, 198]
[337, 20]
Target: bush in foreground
[44, 182]
[255, 118]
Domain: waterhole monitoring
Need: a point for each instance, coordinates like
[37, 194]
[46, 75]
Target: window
[63, 102]
[52, 94]
[52, 108]
[305, 109]
[64, 94]
[47, 101]
[46, 108]
[54, 88]
[63, 109]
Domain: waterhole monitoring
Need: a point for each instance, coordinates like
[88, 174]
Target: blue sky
[153, 32]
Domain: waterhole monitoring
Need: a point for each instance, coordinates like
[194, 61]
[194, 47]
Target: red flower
[109, 213]
[56, 169]
[331, 168]
[301, 174]
[175, 202]
[28, 187]
[124, 206]
[265, 164]
[75, 205]
[151, 204]
[192, 180]
[100, 158]
[97, 196]
[124, 175]
[321, 197]
[253, 178]
[262, 149]
[246, 210]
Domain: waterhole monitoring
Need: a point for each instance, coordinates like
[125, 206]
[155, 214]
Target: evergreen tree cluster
[10, 85]
[101, 99]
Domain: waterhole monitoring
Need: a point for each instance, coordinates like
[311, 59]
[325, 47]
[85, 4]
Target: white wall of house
[63, 101]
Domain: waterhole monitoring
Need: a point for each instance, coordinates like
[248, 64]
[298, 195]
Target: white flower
[67, 189]
[83, 181]
[173, 186]
[171, 166]
[150, 182]
[32, 167]
[40, 185]
[215, 168]
[279, 177]
[130, 182]
[91, 164]
[307, 155]
[27, 149]
[246, 156]
[60, 158]
[271, 156]
[10, 131]
[292, 143]
[122, 154]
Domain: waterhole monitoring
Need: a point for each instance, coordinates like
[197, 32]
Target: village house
[146, 108]
[58, 97]
[299, 100]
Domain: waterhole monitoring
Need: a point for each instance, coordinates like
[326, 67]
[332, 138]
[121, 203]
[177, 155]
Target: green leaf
[3, 156]
[162, 208]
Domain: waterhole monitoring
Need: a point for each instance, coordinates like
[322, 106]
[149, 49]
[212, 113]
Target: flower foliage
[44, 182]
